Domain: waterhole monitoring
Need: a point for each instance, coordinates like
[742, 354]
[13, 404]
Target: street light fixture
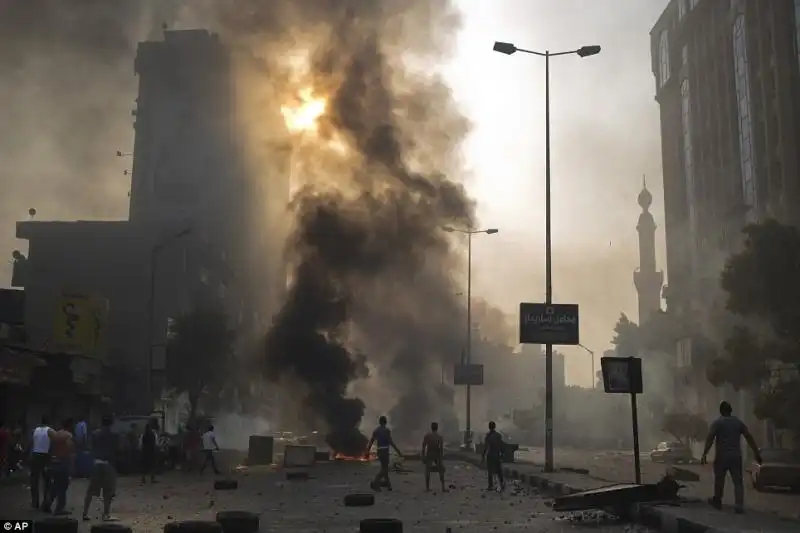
[591, 354]
[157, 248]
[468, 347]
[584, 51]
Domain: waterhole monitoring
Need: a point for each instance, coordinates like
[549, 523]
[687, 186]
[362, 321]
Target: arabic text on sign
[551, 320]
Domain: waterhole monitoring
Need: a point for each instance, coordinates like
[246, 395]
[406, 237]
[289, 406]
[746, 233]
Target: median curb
[651, 516]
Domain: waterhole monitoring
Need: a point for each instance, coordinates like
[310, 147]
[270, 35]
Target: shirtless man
[433, 455]
[61, 449]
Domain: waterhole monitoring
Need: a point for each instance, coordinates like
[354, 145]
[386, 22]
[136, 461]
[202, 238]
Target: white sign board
[296, 456]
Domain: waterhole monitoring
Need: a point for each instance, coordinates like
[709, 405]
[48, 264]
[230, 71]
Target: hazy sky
[605, 137]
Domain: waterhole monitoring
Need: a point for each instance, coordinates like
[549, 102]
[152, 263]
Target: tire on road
[380, 525]
[193, 526]
[111, 528]
[56, 524]
[238, 521]
[226, 484]
[359, 500]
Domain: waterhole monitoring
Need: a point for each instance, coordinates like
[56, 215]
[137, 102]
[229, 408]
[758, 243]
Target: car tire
[359, 500]
[380, 525]
[111, 528]
[238, 521]
[56, 524]
[226, 484]
[193, 526]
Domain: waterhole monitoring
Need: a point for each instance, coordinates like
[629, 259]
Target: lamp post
[468, 347]
[591, 354]
[584, 51]
[151, 314]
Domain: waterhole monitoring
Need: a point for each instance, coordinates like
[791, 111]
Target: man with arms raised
[433, 455]
[727, 431]
[61, 448]
[382, 436]
[103, 478]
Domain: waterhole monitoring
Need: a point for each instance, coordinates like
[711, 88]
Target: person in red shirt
[5, 448]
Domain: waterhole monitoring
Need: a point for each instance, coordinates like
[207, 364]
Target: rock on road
[316, 505]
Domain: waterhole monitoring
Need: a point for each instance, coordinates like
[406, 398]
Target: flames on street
[360, 458]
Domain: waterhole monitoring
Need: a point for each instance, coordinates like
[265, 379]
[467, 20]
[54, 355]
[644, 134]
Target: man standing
[382, 436]
[40, 461]
[103, 476]
[727, 431]
[209, 447]
[492, 456]
[62, 447]
[149, 451]
[433, 455]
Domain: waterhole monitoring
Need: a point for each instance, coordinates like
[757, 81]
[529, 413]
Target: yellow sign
[79, 322]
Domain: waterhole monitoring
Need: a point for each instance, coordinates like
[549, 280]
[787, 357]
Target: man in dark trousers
[433, 455]
[493, 457]
[149, 451]
[40, 461]
[382, 437]
[727, 431]
[103, 477]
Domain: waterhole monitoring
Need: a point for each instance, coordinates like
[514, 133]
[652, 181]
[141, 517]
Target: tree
[627, 337]
[686, 427]
[763, 293]
[199, 354]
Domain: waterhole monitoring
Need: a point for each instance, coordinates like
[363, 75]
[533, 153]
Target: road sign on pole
[548, 324]
[468, 375]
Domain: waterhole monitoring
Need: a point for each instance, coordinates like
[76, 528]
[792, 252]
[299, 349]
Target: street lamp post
[468, 347]
[151, 314]
[584, 51]
[591, 354]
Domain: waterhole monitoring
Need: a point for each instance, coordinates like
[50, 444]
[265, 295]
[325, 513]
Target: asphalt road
[317, 504]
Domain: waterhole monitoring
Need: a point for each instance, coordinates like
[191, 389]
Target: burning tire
[56, 525]
[193, 526]
[226, 484]
[381, 525]
[359, 500]
[111, 528]
[238, 521]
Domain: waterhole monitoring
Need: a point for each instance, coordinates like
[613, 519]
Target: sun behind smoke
[304, 115]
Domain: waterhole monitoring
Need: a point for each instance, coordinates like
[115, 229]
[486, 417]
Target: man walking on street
[382, 437]
[433, 455]
[727, 431]
[493, 457]
[103, 477]
[149, 451]
[40, 462]
[62, 447]
[209, 447]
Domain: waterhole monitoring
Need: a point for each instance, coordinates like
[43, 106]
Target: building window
[663, 58]
[742, 82]
[688, 155]
[681, 9]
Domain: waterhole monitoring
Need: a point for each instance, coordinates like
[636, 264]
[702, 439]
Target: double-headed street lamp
[584, 51]
[468, 342]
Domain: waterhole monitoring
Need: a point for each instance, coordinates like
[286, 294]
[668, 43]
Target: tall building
[727, 81]
[646, 278]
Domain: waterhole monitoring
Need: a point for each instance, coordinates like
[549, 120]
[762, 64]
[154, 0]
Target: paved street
[316, 504]
[618, 467]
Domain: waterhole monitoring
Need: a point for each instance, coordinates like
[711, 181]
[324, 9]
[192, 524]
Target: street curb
[651, 516]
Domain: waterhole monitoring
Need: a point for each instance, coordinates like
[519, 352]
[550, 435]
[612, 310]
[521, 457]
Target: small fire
[361, 458]
[305, 113]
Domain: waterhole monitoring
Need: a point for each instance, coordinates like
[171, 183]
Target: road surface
[317, 504]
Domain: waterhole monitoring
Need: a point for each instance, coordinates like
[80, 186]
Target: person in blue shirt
[382, 437]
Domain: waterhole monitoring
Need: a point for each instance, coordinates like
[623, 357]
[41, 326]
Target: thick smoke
[371, 268]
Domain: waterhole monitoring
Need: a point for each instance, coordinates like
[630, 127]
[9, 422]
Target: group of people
[433, 455]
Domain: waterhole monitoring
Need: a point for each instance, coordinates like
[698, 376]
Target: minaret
[646, 278]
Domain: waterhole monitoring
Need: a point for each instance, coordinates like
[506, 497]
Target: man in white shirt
[209, 447]
[40, 461]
